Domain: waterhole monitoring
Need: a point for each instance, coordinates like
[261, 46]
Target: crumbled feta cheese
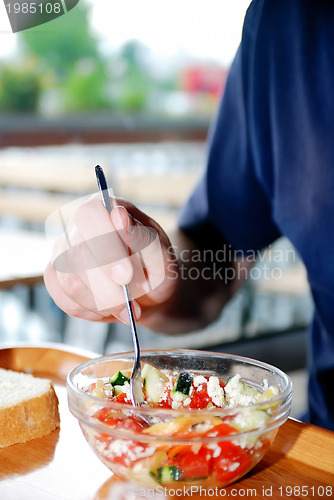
[217, 452]
[215, 392]
[274, 389]
[168, 386]
[195, 447]
[216, 449]
[177, 396]
[120, 447]
[126, 389]
[98, 392]
[202, 427]
[258, 444]
[199, 379]
[233, 466]
[239, 394]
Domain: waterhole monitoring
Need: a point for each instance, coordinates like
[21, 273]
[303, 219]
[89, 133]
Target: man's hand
[99, 252]
[174, 287]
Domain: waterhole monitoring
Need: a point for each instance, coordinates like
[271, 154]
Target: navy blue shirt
[270, 167]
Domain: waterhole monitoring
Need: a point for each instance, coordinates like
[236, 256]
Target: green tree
[67, 49]
[64, 41]
[85, 89]
[71, 74]
[131, 86]
[20, 87]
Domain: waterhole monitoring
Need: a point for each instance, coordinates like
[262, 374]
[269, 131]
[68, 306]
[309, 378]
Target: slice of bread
[28, 407]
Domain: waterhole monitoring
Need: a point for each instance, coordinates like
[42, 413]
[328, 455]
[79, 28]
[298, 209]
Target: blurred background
[133, 86]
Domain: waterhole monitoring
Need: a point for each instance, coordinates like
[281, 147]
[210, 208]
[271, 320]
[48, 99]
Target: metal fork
[136, 392]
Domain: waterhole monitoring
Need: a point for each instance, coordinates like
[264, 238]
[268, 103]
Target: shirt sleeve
[231, 196]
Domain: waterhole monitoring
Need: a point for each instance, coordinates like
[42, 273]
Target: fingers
[78, 300]
[98, 252]
[151, 257]
[90, 261]
[90, 255]
[76, 308]
[99, 234]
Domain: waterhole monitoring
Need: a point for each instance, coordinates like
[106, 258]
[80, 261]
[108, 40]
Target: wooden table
[60, 466]
[23, 257]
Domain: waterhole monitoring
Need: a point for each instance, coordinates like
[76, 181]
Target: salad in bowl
[207, 418]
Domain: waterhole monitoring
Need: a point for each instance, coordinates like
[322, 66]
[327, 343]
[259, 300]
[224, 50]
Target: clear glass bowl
[216, 460]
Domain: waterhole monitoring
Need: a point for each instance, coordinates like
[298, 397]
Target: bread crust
[29, 419]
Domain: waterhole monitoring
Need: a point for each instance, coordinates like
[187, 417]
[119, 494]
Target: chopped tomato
[178, 450]
[265, 444]
[194, 465]
[199, 400]
[105, 415]
[130, 453]
[200, 397]
[130, 424]
[222, 429]
[167, 402]
[231, 463]
[222, 383]
[121, 398]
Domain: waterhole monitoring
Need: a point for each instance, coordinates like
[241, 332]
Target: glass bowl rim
[283, 399]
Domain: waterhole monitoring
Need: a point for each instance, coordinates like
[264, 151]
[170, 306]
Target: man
[270, 172]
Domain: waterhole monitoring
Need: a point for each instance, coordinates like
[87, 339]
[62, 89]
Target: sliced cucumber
[118, 389]
[168, 474]
[183, 383]
[250, 419]
[271, 392]
[250, 391]
[119, 379]
[154, 382]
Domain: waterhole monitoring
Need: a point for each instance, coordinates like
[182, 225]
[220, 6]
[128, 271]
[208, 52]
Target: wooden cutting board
[61, 466]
